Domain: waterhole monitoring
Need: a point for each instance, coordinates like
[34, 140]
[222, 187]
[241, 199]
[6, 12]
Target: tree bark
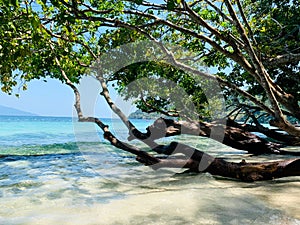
[198, 161]
[284, 138]
[231, 136]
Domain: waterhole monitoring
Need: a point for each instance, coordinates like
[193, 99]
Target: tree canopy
[253, 45]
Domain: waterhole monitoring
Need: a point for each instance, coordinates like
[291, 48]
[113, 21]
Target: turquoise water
[54, 170]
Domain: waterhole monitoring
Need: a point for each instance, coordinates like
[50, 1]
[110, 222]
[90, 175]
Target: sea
[55, 170]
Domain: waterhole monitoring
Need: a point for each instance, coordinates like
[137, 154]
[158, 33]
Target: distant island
[142, 115]
[8, 111]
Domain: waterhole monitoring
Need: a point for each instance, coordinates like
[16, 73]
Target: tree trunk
[231, 136]
[198, 161]
[284, 138]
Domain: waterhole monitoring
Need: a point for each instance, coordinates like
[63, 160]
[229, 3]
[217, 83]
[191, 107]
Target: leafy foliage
[275, 25]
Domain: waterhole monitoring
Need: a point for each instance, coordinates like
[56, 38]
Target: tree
[253, 45]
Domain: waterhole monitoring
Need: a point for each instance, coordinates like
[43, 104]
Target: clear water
[57, 171]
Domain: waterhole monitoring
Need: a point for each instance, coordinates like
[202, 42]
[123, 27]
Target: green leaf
[138, 1]
[170, 4]
[14, 3]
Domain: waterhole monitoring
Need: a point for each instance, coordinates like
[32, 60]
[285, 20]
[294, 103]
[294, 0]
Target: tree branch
[283, 59]
[265, 79]
[224, 16]
[148, 159]
[155, 109]
[245, 21]
[202, 162]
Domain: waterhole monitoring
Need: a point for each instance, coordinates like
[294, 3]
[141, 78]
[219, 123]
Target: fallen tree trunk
[234, 137]
[198, 161]
[278, 136]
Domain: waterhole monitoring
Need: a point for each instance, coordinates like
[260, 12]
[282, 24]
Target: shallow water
[47, 181]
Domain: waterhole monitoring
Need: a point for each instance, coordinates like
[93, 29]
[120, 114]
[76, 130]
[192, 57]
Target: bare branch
[219, 11]
[70, 84]
[90, 9]
[203, 23]
[261, 75]
[246, 21]
[155, 109]
[283, 59]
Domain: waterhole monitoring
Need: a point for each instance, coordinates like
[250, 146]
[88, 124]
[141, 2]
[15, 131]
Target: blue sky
[49, 98]
[52, 98]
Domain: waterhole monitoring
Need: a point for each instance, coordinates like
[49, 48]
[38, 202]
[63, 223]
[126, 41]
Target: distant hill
[142, 115]
[7, 111]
